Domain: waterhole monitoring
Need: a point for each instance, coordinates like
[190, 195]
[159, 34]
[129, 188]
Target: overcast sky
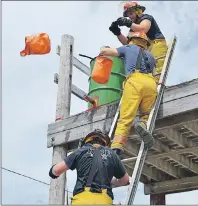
[29, 94]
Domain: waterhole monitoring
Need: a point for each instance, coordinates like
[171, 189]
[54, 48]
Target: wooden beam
[77, 63]
[82, 67]
[173, 152]
[75, 127]
[181, 90]
[164, 154]
[170, 93]
[149, 172]
[176, 120]
[77, 91]
[177, 106]
[57, 186]
[172, 186]
[192, 126]
[176, 137]
[158, 163]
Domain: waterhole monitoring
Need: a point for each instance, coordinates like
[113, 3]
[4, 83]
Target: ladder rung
[128, 159]
[158, 74]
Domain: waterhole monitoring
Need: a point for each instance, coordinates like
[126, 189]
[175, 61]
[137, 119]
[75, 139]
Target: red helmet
[132, 6]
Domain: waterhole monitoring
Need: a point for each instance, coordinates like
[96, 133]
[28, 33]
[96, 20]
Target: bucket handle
[82, 55]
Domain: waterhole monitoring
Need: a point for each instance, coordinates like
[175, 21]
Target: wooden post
[158, 199]
[57, 186]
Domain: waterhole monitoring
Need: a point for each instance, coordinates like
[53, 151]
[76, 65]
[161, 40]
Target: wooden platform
[172, 164]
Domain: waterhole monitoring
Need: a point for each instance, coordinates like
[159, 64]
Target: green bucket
[112, 91]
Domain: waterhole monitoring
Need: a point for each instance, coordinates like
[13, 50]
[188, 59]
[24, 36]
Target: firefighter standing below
[139, 90]
[139, 22]
[96, 165]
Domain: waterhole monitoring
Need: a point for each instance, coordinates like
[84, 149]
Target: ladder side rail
[161, 86]
[113, 125]
[151, 122]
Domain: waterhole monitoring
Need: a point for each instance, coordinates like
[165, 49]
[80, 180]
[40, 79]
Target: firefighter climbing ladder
[140, 159]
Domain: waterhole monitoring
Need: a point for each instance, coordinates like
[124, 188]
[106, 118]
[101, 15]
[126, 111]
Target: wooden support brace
[57, 186]
[78, 92]
[172, 186]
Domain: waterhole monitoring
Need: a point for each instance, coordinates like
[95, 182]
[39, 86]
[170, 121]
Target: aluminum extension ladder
[140, 159]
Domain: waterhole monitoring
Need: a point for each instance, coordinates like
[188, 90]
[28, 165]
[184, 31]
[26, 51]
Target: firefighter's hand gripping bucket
[102, 69]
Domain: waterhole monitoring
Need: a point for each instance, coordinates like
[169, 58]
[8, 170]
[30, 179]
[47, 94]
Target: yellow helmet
[139, 38]
[96, 134]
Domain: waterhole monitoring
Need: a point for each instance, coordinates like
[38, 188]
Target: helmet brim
[141, 7]
[101, 135]
[147, 42]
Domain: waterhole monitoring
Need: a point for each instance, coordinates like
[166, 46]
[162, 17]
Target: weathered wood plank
[176, 120]
[180, 90]
[83, 118]
[172, 186]
[149, 172]
[178, 106]
[173, 152]
[76, 133]
[75, 90]
[176, 93]
[75, 127]
[164, 154]
[57, 186]
[164, 165]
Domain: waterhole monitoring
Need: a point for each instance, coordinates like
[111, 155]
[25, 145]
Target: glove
[51, 173]
[115, 29]
[123, 21]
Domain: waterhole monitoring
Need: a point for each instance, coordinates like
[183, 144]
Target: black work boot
[146, 136]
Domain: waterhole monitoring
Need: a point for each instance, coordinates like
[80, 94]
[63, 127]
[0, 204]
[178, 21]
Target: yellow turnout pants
[158, 48]
[89, 198]
[140, 91]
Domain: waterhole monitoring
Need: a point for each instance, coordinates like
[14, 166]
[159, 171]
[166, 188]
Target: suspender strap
[139, 60]
[97, 166]
[145, 59]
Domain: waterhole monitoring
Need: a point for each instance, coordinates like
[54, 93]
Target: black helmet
[97, 133]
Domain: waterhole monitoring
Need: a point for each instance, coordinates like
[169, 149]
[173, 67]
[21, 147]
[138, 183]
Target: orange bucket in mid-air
[102, 69]
[38, 44]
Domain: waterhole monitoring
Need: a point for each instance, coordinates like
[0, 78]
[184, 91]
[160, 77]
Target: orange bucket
[39, 44]
[102, 70]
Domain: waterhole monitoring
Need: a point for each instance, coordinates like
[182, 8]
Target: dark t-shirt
[81, 160]
[154, 31]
